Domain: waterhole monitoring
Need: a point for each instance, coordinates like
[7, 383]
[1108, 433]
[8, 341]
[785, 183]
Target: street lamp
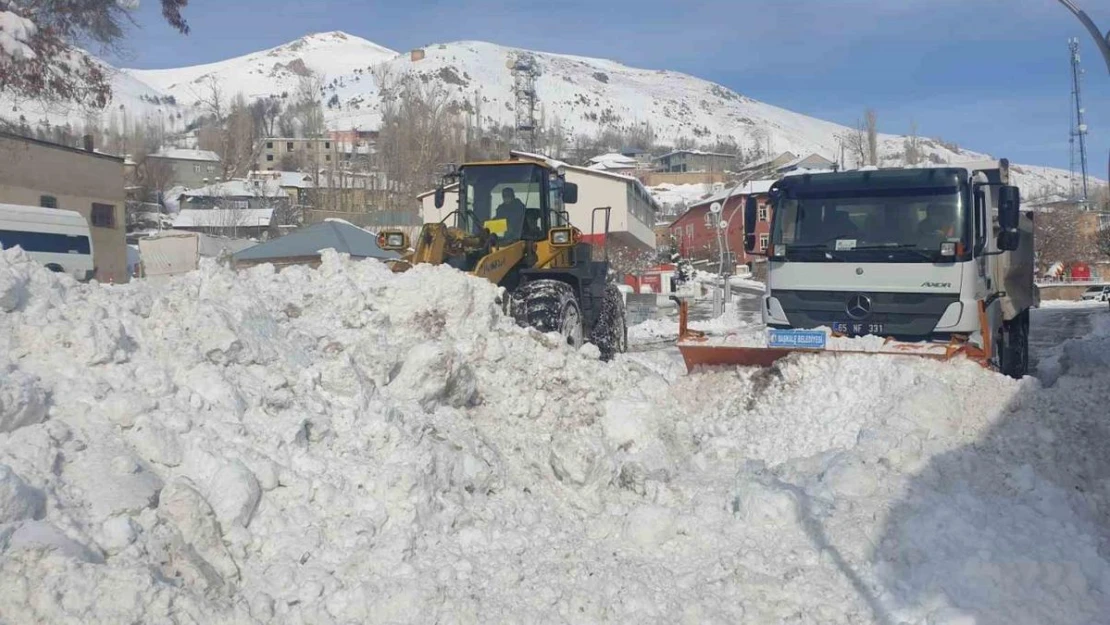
[1102, 42]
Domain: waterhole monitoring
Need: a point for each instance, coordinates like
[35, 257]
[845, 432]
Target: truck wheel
[549, 306]
[610, 334]
[1013, 349]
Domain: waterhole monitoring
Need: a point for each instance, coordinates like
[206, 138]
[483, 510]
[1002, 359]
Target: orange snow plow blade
[699, 351]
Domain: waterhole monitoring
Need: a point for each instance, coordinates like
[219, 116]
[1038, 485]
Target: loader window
[508, 195]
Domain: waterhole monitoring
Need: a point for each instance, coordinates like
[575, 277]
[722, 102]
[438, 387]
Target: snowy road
[1057, 322]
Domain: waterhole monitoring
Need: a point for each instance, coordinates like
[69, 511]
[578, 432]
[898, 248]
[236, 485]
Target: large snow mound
[349, 445]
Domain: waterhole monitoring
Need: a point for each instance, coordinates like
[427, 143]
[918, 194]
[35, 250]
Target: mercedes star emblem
[858, 306]
[859, 271]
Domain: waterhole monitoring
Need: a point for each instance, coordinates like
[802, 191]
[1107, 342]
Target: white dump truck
[938, 261]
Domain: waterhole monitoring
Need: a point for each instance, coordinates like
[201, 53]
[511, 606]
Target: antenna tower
[524, 68]
[1078, 138]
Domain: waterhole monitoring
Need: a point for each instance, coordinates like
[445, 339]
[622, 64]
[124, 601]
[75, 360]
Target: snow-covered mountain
[585, 95]
[270, 72]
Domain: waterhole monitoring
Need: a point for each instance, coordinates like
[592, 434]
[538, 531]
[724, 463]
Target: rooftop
[185, 154]
[239, 189]
[224, 218]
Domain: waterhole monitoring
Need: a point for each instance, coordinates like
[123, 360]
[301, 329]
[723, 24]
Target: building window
[327, 145]
[48, 201]
[764, 239]
[289, 146]
[239, 204]
[327, 157]
[763, 213]
[689, 231]
[269, 145]
[269, 157]
[103, 216]
[709, 220]
[196, 169]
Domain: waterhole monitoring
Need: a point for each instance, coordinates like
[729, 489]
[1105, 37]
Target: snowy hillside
[585, 95]
[272, 72]
[350, 445]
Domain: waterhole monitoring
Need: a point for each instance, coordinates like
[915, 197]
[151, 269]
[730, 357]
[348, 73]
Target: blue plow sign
[798, 339]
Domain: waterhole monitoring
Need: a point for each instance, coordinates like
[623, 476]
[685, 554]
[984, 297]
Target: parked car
[1097, 294]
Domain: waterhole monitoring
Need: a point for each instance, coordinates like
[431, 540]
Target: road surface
[1051, 326]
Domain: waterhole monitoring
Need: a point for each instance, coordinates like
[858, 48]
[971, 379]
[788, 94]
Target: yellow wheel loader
[510, 227]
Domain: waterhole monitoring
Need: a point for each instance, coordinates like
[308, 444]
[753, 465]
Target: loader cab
[514, 200]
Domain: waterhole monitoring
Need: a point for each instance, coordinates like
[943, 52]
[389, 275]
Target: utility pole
[1102, 41]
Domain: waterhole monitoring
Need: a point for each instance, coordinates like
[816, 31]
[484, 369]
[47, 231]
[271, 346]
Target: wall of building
[696, 238]
[76, 180]
[654, 178]
[313, 153]
[191, 174]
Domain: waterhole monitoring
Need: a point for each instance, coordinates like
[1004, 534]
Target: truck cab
[930, 254]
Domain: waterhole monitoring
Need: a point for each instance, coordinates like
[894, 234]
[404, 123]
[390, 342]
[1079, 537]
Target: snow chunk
[234, 493]
[18, 501]
[23, 401]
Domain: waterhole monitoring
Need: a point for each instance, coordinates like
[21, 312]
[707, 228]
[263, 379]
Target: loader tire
[610, 333]
[549, 306]
[1013, 349]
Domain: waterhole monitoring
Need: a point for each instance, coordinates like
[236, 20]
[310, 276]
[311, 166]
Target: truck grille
[903, 315]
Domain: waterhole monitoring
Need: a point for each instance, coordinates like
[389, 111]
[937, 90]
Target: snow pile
[351, 445]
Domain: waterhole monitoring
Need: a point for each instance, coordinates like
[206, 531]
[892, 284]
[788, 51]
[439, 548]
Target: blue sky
[991, 75]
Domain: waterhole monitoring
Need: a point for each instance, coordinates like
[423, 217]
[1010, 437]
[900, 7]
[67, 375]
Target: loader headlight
[393, 241]
[561, 237]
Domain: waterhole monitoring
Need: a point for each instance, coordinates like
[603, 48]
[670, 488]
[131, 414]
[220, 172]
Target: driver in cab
[939, 223]
[511, 210]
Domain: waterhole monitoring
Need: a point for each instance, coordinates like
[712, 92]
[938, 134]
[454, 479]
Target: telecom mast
[524, 68]
[1078, 138]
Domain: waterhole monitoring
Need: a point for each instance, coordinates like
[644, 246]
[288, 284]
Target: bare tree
[419, 133]
[230, 131]
[855, 141]
[871, 120]
[912, 147]
[1065, 235]
[40, 60]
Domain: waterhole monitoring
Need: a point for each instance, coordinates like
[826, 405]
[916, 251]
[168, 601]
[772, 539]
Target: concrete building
[188, 168]
[694, 233]
[682, 161]
[288, 154]
[40, 173]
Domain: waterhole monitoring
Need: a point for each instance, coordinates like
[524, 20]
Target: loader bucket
[699, 351]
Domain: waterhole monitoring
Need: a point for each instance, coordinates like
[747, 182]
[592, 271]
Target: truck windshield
[507, 199]
[865, 225]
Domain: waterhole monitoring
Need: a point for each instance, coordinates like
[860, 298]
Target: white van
[56, 238]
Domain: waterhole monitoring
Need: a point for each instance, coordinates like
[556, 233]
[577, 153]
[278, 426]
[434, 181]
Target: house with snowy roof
[236, 208]
[186, 167]
[682, 161]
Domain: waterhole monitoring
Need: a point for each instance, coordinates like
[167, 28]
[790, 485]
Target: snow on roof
[798, 161]
[342, 236]
[223, 218]
[764, 162]
[752, 187]
[239, 189]
[612, 160]
[551, 162]
[184, 154]
[695, 153]
[293, 179]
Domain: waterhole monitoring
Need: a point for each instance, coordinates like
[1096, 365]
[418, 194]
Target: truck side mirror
[439, 197]
[751, 214]
[1009, 215]
[570, 193]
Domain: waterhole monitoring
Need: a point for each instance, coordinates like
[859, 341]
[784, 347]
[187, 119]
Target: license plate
[801, 339]
[857, 329]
